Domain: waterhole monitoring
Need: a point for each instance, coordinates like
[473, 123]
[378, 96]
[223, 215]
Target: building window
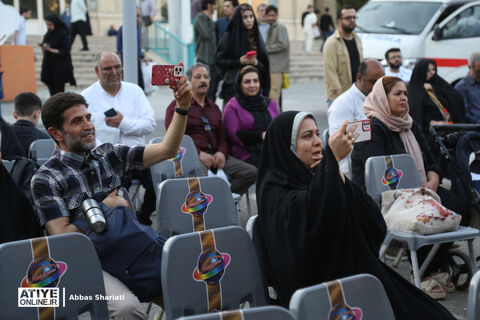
[51, 6]
[32, 5]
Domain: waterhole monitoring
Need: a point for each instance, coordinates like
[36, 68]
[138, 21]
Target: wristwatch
[182, 112]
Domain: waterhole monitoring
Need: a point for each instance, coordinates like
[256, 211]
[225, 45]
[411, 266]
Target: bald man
[349, 105]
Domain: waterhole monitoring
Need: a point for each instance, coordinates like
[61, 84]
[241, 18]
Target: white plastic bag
[220, 174]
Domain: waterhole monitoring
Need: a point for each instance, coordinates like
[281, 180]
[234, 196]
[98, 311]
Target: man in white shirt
[79, 22]
[349, 105]
[134, 115]
[20, 36]
[309, 24]
[395, 68]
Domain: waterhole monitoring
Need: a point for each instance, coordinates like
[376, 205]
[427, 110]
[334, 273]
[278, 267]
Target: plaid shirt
[66, 179]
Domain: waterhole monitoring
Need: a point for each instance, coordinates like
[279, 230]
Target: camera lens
[94, 215]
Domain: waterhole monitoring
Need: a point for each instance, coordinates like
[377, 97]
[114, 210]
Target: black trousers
[56, 87]
[79, 27]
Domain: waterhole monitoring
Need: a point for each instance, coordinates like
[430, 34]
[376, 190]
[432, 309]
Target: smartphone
[110, 113]
[363, 129]
[165, 75]
[250, 54]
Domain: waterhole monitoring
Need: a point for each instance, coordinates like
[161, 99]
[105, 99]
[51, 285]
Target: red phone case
[251, 53]
[165, 75]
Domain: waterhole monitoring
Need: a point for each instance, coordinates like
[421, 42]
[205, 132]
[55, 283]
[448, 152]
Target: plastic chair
[259, 313]
[325, 136]
[375, 169]
[363, 295]
[8, 164]
[185, 164]
[74, 258]
[217, 209]
[41, 150]
[226, 261]
[473, 307]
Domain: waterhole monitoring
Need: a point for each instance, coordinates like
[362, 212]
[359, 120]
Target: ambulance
[445, 31]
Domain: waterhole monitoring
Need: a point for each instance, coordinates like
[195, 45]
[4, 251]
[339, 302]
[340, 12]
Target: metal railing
[168, 46]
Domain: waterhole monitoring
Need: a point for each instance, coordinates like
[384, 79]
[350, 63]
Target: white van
[445, 31]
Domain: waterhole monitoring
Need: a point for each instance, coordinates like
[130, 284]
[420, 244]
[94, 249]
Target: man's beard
[347, 28]
[76, 145]
[395, 66]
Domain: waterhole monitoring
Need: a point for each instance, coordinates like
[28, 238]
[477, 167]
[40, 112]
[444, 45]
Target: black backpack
[22, 173]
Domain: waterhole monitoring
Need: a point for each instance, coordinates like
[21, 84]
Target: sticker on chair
[210, 269]
[196, 203]
[340, 310]
[177, 162]
[39, 288]
[392, 176]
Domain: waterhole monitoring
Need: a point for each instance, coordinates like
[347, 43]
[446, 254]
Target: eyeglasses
[208, 129]
[206, 124]
[350, 18]
[398, 56]
[117, 68]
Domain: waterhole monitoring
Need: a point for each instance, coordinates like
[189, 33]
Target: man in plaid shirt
[78, 171]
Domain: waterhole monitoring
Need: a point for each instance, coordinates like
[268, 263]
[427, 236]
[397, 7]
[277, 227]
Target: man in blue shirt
[469, 87]
[221, 24]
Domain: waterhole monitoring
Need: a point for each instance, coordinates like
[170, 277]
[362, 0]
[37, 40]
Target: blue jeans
[325, 35]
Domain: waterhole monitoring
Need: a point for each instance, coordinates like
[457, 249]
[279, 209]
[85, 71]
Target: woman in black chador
[316, 225]
[57, 68]
[242, 36]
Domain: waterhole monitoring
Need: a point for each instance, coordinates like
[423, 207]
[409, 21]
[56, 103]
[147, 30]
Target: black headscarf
[257, 105]
[55, 34]
[277, 160]
[418, 97]
[237, 40]
[315, 228]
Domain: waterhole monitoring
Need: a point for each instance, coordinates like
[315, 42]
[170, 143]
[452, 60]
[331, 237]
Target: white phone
[363, 129]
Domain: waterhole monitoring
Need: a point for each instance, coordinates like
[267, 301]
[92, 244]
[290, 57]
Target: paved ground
[305, 97]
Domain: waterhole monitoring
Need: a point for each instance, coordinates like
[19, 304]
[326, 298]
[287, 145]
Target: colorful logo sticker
[180, 153]
[44, 272]
[344, 312]
[211, 266]
[196, 203]
[392, 177]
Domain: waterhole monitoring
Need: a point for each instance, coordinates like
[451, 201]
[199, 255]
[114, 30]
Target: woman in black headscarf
[316, 225]
[57, 68]
[242, 36]
[247, 116]
[431, 99]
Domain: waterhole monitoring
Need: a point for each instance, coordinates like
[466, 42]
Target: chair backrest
[208, 271]
[65, 263]
[194, 204]
[8, 164]
[384, 173]
[473, 307]
[185, 164]
[362, 294]
[258, 313]
[41, 150]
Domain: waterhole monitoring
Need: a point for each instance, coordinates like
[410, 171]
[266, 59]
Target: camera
[93, 214]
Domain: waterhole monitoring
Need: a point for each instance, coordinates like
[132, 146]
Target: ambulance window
[464, 25]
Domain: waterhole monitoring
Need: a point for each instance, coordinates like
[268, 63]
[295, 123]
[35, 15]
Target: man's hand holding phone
[113, 117]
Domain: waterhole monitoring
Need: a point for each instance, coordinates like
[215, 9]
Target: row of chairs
[185, 295]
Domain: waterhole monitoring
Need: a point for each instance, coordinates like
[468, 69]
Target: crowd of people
[309, 198]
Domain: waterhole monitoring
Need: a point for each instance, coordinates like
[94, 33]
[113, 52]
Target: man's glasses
[398, 56]
[350, 18]
[108, 69]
